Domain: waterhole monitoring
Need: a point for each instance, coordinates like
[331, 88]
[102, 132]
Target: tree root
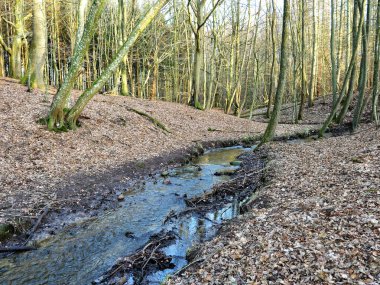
[155, 122]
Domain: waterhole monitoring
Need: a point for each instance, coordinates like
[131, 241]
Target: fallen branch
[155, 122]
[17, 249]
[37, 224]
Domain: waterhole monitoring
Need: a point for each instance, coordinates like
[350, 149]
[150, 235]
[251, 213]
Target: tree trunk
[303, 65]
[332, 54]
[270, 130]
[314, 58]
[272, 77]
[363, 70]
[375, 94]
[35, 74]
[86, 96]
[346, 78]
[57, 115]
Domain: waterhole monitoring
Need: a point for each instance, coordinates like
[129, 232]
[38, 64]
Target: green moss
[140, 164]
[42, 121]
[357, 160]
[6, 231]
[198, 106]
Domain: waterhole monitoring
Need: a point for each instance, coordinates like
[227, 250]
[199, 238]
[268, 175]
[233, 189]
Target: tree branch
[3, 44]
[9, 22]
[189, 17]
[209, 14]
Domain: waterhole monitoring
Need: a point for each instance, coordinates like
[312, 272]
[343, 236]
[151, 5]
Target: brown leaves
[36, 163]
[323, 223]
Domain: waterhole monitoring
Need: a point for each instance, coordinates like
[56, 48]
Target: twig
[188, 265]
[150, 257]
[37, 224]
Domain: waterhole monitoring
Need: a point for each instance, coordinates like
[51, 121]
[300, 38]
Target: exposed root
[155, 122]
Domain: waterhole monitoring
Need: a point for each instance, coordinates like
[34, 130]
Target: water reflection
[81, 254]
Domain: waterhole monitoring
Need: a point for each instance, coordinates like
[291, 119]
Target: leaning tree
[62, 118]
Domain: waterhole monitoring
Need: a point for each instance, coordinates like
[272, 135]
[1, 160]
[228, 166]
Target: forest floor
[71, 175]
[316, 220]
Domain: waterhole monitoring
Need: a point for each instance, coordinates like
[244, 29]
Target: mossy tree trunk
[270, 130]
[35, 73]
[87, 95]
[349, 70]
[375, 91]
[363, 70]
[19, 42]
[57, 114]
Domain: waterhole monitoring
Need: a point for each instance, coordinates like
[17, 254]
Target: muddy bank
[105, 193]
[95, 244]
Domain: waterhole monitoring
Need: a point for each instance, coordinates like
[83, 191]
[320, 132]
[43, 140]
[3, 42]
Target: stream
[81, 253]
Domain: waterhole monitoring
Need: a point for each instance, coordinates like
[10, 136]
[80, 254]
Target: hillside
[74, 171]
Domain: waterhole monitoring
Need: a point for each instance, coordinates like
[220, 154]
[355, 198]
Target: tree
[270, 130]
[348, 77]
[363, 70]
[314, 58]
[334, 83]
[19, 41]
[197, 27]
[375, 91]
[57, 112]
[69, 118]
[35, 74]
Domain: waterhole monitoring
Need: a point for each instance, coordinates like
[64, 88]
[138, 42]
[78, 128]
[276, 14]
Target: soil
[71, 175]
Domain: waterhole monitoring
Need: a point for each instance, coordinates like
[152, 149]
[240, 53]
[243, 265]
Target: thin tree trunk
[346, 78]
[270, 130]
[83, 100]
[303, 65]
[363, 70]
[272, 79]
[314, 58]
[332, 54]
[375, 91]
[35, 73]
[57, 115]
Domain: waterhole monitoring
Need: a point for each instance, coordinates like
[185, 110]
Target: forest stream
[83, 252]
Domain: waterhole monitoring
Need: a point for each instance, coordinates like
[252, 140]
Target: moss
[357, 160]
[140, 164]
[42, 121]
[198, 106]
[6, 231]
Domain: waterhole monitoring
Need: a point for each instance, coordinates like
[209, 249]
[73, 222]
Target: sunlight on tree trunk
[271, 128]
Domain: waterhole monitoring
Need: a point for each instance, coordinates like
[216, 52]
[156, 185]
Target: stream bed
[81, 253]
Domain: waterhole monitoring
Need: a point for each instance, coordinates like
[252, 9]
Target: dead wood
[17, 249]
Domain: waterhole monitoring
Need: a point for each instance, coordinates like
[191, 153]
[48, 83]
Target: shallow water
[82, 253]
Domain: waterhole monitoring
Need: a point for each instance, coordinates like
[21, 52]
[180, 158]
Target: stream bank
[64, 171]
[316, 220]
[94, 245]
[170, 251]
